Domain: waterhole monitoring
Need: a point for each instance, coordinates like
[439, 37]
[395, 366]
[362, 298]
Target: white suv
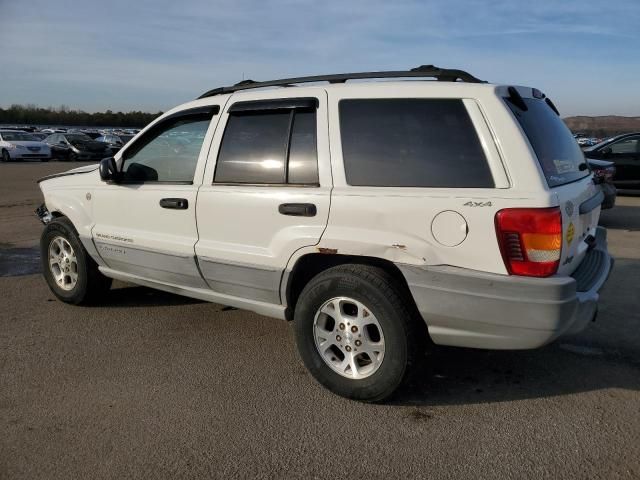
[362, 211]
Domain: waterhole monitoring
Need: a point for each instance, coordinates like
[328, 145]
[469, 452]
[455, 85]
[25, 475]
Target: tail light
[530, 240]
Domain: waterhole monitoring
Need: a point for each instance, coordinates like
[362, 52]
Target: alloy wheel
[349, 338]
[63, 263]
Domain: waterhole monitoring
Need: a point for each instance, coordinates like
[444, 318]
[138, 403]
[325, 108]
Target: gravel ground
[151, 385]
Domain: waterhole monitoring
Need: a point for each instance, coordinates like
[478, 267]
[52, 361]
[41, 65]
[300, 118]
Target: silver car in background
[19, 145]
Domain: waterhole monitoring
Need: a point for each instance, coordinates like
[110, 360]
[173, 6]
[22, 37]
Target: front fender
[74, 202]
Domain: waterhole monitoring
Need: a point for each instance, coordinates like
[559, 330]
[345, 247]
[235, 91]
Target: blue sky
[154, 54]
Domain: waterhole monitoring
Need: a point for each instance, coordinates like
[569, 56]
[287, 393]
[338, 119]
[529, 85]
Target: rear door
[266, 191]
[565, 169]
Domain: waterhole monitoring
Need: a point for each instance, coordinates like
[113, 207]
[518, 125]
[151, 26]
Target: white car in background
[19, 145]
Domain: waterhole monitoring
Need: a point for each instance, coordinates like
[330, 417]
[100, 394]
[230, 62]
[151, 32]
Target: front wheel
[355, 332]
[73, 157]
[72, 275]
[5, 156]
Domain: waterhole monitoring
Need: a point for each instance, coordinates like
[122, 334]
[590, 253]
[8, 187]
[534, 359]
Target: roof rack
[441, 74]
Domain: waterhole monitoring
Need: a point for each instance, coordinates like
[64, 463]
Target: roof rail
[442, 74]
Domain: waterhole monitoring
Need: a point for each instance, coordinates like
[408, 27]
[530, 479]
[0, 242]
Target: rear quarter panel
[395, 223]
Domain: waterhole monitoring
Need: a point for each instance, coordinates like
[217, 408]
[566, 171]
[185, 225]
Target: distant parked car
[76, 146]
[114, 142]
[586, 141]
[624, 152]
[19, 145]
[39, 135]
[604, 173]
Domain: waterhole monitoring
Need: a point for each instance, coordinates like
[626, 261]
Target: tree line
[63, 115]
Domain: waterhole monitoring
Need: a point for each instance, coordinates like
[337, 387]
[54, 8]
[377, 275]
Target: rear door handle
[298, 209]
[175, 203]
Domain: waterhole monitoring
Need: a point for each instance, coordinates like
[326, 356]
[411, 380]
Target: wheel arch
[61, 205]
[309, 265]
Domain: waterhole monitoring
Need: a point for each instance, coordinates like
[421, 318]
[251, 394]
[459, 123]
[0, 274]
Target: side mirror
[606, 151]
[109, 170]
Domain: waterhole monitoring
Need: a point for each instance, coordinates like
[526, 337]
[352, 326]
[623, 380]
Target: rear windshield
[558, 152]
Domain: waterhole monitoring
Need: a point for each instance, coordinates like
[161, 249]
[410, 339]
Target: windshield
[17, 137]
[78, 137]
[558, 152]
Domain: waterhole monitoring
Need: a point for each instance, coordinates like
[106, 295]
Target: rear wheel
[72, 275]
[355, 333]
[5, 156]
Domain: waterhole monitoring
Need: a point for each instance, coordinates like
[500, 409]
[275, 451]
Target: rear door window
[271, 147]
[411, 143]
[558, 152]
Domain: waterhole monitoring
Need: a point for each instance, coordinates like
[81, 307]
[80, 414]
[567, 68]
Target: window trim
[294, 104]
[210, 110]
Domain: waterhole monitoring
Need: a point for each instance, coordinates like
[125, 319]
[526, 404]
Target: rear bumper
[467, 308]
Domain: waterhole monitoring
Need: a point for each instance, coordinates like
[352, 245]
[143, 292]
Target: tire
[5, 156]
[89, 285]
[45, 159]
[374, 295]
[73, 157]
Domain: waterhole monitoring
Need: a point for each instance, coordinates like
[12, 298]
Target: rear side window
[558, 152]
[411, 143]
[269, 147]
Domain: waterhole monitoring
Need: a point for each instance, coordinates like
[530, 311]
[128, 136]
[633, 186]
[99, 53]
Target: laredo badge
[570, 233]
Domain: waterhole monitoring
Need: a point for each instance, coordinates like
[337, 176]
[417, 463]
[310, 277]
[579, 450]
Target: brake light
[530, 240]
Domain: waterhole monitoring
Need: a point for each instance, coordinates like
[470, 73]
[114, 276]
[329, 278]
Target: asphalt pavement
[152, 385]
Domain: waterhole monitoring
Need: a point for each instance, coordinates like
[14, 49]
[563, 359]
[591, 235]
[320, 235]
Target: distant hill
[605, 126]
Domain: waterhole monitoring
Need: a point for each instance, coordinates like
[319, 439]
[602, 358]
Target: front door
[265, 193]
[145, 224]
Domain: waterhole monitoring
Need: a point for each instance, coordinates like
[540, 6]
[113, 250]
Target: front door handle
[298, 209]
[175, 203]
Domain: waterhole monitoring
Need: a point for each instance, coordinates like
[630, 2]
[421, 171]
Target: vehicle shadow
[455, 376]
[621, 217]
[606, 355]
[129, 296]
